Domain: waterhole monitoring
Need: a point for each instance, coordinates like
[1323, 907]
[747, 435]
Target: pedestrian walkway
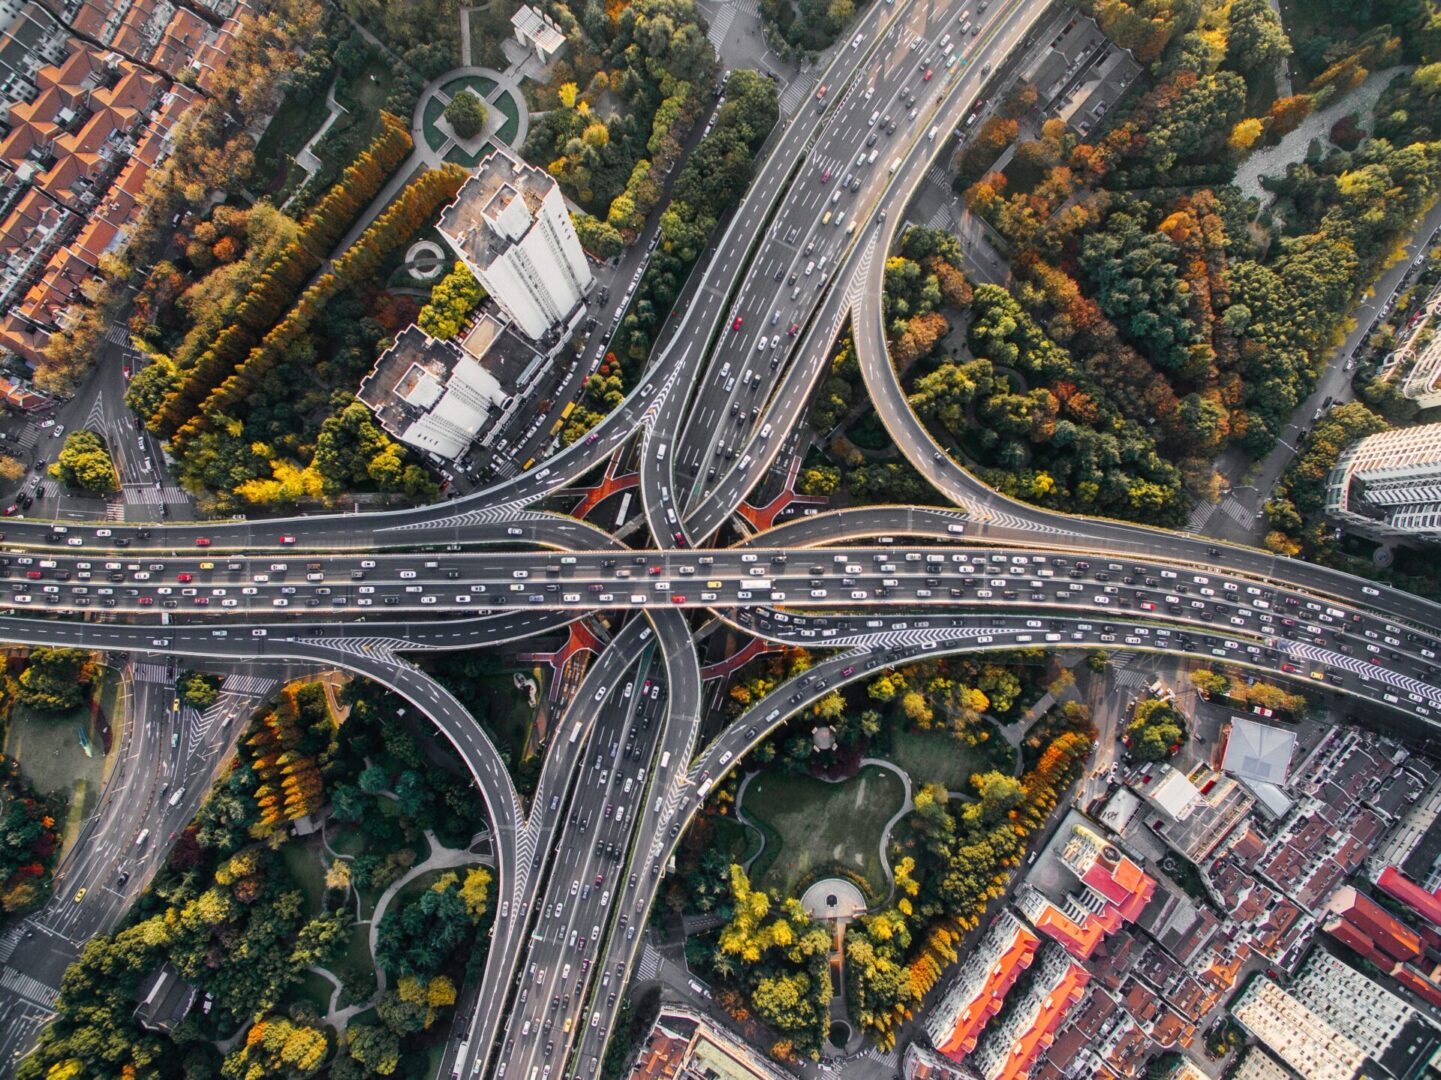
[150, 495]
[797, 93]
[649, 965]
[151, 673]
[720, 25]
[1237, 511]
[248, 685]
[1200, 514]
[29, 988]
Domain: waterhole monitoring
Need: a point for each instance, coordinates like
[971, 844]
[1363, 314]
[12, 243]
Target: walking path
[440, 858]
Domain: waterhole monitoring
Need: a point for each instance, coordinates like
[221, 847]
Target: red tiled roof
[1410, 978]
[1390, 934]
[23, 339]
[1397, 885]
[999, 980]
[1034, 1040]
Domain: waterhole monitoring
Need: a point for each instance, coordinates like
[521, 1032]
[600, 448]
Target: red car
[794, 327]
[287, 539]
[202, 541]
[202, 600]
[146, 601]
[737, 324]
[677, 598]
[927, 76]
[654, 571]
[826, 177]
[183, 578]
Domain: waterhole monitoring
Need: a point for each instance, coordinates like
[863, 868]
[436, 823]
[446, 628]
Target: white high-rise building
[1389, 484]
[510, 225]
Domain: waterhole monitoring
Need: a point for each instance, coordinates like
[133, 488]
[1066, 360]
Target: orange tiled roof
[999, 980]
[1034, 1040]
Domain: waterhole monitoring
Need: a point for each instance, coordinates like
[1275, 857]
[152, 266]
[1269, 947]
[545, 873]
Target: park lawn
[510, 128]
[49, 750]
[434, 137]
[821, 824]
[736, 841]
[935, 757]
[457, 155]
[506, 711]
[315, 989]
[298, 118]
[302, 859]
[355, 963]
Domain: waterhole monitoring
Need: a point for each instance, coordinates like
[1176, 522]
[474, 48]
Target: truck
[896, 164]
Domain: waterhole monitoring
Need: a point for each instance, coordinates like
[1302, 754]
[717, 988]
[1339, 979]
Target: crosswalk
[118, 334]
[649, 965]
[720, 25]
[1233, 508]
[150, 495]
[256, 686]
[27, 437]
[1131, 680]
[9, 940]
[796, 94]
[938, 175]
[28, 987]
[150, 673]
[887, 1058]
[1200, 515]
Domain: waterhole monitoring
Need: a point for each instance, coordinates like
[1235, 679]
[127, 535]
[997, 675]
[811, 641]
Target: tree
[452, 300]
[198, 690]
[1255, 38]
[1156, 729]
[83, 462]
[56, 680]
[375, 1047]
[11, 470]
[466, 114]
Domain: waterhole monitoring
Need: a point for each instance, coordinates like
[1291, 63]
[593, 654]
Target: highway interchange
[580, 866]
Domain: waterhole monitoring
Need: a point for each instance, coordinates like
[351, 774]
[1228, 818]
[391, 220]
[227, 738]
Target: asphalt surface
[579, 867]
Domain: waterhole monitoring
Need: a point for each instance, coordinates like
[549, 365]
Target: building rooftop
[1257, 751]
[1399, 887]
[494, 208]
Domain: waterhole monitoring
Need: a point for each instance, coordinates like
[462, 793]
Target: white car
[74, 541]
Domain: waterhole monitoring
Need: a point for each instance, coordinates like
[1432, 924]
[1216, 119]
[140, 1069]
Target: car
[677, 598]
[74, 541]
[79, 895]
[738, 323]
[183, 578]
[927, 76]
[287, 539]
[826, 176]
[202, 541]
[794, 327]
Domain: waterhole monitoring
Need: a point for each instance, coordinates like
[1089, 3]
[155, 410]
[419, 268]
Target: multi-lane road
[579, 867]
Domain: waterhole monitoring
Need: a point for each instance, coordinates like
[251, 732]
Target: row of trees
[29, 842]
[227, 912]
[238, 302]
[713, 180]
[211, 150]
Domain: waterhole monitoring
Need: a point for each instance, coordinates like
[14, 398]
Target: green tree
[83, 462]
[466, 114]
[198, 690]
[452, 300]
[1255, 38]
[56, 680]
[1155, 728]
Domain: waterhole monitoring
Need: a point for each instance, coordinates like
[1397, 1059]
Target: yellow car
[712, 584]
[79, 895]
[207, 566]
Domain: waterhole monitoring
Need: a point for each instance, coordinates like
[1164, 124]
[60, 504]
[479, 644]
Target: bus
[565, 412]
[528, 463]
[575, 733]
[555, 427]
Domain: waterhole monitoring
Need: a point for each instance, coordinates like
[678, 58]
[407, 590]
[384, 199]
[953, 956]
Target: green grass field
[820, 823]
[302, 859]
[931, 757]
[511, 126]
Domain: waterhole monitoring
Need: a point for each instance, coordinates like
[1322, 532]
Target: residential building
[1388, 485]
[1302, 1039]
[980, 986]
[1258, 752]
[1399, 887]
[1398, 1037]
[510, 225]
[164, 999]
[432, 395]
[1012, 1048]
[1114, 890]
[683, 1045]
[31, 38]
[1196, 811]
[1259, 1065]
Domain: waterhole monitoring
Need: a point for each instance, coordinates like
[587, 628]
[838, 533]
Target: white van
[896, 164]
